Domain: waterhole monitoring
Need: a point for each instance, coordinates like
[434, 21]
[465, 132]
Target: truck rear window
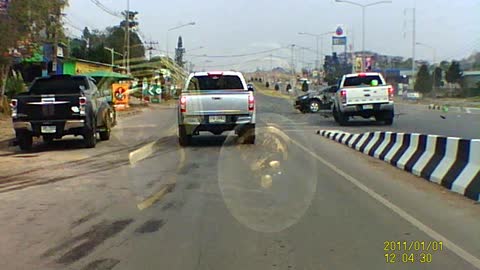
[360, 81]
[62, 86]
[220, 82]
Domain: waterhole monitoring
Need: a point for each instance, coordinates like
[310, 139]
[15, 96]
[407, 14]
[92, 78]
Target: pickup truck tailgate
[362, 95]
[47, 107]
[217, 103]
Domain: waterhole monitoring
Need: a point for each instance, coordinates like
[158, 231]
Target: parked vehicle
[315, 101]
[216, 102]
[411, 95]
[62, 105]
[366, 95]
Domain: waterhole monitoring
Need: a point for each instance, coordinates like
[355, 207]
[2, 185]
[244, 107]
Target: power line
[107, 10]
[239, 55]
[71, 24]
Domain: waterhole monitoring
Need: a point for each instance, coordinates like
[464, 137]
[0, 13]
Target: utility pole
[414, 42]
[55, 38]
[128, 36]
[150, 48]
[293, 60]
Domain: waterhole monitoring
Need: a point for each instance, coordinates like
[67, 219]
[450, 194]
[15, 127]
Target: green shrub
[15, 85]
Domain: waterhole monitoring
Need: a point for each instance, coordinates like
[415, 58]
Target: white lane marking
[465, 255]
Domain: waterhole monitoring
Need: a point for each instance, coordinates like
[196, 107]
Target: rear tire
[90, 135]
[25, 141]
[183, 138]
[341, 119]
[105, 135]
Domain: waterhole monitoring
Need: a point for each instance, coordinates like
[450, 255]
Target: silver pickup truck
[366, 95]
[216, 102]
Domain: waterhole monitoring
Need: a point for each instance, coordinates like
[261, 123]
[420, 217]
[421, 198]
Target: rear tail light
[13, 105]
[390, 93]
[343, 96]
[83, 102]
[183, 104]
[251, 102]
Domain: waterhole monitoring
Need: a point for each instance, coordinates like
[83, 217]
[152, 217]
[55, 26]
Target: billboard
[339, 37]
[339, 41]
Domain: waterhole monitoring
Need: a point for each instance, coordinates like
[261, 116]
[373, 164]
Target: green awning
[107, 74]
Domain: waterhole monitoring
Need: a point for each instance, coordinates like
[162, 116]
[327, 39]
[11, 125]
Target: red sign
[339, 31]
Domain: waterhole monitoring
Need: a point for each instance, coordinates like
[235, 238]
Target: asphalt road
[410, 118]
[292, 201]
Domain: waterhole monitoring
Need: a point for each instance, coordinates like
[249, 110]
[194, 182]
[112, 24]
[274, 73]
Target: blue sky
[244, 26]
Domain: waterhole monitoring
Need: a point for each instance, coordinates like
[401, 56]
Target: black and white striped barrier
[451, 162]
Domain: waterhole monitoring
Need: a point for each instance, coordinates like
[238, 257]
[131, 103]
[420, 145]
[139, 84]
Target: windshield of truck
[362, 81]
[215, 82]
[62, 86]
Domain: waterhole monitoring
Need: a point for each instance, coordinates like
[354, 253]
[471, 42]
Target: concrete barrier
[451, 162]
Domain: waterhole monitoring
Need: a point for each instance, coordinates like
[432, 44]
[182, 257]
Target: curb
[451, 162]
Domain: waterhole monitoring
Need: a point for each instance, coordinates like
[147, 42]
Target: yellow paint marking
[148, 149]
[167, 188]
[156, 197]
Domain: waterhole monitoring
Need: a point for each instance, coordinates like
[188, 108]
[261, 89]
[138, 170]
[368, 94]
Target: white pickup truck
[366, 95]
[216, 102]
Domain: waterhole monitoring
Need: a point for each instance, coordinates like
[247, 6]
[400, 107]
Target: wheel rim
[314, 106]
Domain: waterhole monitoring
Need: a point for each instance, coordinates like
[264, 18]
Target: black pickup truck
[62, 105]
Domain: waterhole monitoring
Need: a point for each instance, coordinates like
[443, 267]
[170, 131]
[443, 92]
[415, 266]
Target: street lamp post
[175, 28]
[363, 21]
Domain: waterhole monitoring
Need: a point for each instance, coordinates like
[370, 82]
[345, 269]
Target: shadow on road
[212, 141]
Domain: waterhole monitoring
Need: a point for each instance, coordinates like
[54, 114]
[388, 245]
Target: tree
[23, 25]
[454, 73]
[423, 84]
[437, 77]
[444, 65]
[115, 38]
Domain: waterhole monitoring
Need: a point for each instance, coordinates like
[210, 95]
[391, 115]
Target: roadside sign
[339, 41]
[340, 31]
[120, 94]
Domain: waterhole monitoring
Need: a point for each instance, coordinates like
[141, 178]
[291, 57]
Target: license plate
[49, 129]
[368, 107]
[217, 119]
